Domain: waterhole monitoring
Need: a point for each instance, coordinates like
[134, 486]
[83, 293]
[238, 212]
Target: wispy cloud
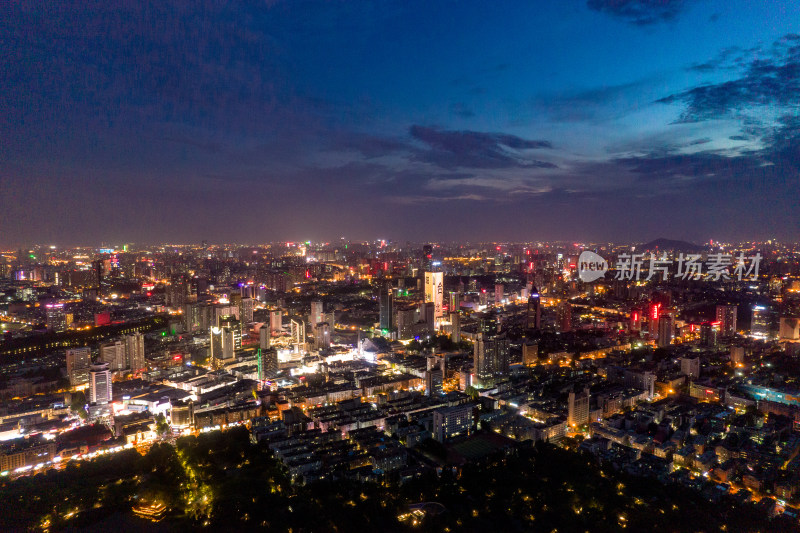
[640, 12]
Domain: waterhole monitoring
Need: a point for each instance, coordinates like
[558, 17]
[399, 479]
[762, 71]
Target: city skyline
[599, 120]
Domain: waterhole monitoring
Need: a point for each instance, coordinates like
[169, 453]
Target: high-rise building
[322, 336]
[191, 317]
[452, 421]
[267, 362]
[264, 338]
[216, 355]
[665, 331]
[298, 332]
[578, 408]
[455, 327]
[78, 361]
[530, 353]
[134, 352]
[490, 356]
[726, 316]
[113, 353]
[223, 310]
[455, 302]
[534, 316]
[565, 317]
[317, 310]
[100, 384]
[246, 306]
[759, 323]
[56, 317]
[737, 355]
[434, 292]
[386, 309]
[709, 334]
[789, 329]
[498, 293]
[690, 366]
[275, 321]
[427, 258]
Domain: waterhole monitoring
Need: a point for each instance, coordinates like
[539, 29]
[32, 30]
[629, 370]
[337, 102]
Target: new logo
[591, 266]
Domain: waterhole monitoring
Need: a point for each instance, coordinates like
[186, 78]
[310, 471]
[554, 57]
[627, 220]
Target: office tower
[455, 327]
[655, 314]
[406, 322]
[636, 321]
[317, 310]
[709, 333]
[759, 323]
[498, 293]
[206, 317]
[216, 355]
[534, 316]
[246, 306]
[726, 316]
[690, 366]
[113, 353]
[134, 352]
[530, 353]
[100, 384]
[322, 336]
[223, 310]
[55, 317]
[177, 293]
[490, 356]
[298, 333]
[578, 408]
[455, 301]
[427, 315]
[267, 362]
[264, 338]
[275, 322]
[386, 308]
[565, 317]
[191, 318]
[234, 327]
[665, 331]
[427, 258]
[78, 361]
[434, 292]
[434, 378]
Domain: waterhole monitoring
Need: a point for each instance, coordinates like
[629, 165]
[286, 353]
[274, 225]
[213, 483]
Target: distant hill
[668, 244]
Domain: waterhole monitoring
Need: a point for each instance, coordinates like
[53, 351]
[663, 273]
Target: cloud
[460, 109]
[773, 80]
[472, 149]
[639, 12]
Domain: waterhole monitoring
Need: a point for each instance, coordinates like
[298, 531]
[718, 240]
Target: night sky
[607, 120]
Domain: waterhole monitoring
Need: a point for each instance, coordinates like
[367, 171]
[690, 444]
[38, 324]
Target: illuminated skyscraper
[726, 316]
[56, 318]
[78, 360]
[134, 352]
[490, 356]
[427, 258]
[386, 304]
[100, 384]
[113, 353]
[534, 316]
[759, 323]
[434, 292]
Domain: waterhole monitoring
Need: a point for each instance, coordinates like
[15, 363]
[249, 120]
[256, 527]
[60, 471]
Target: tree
[162, 426]
[78, 404]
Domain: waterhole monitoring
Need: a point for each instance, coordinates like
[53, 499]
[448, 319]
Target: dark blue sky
[599, 120]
